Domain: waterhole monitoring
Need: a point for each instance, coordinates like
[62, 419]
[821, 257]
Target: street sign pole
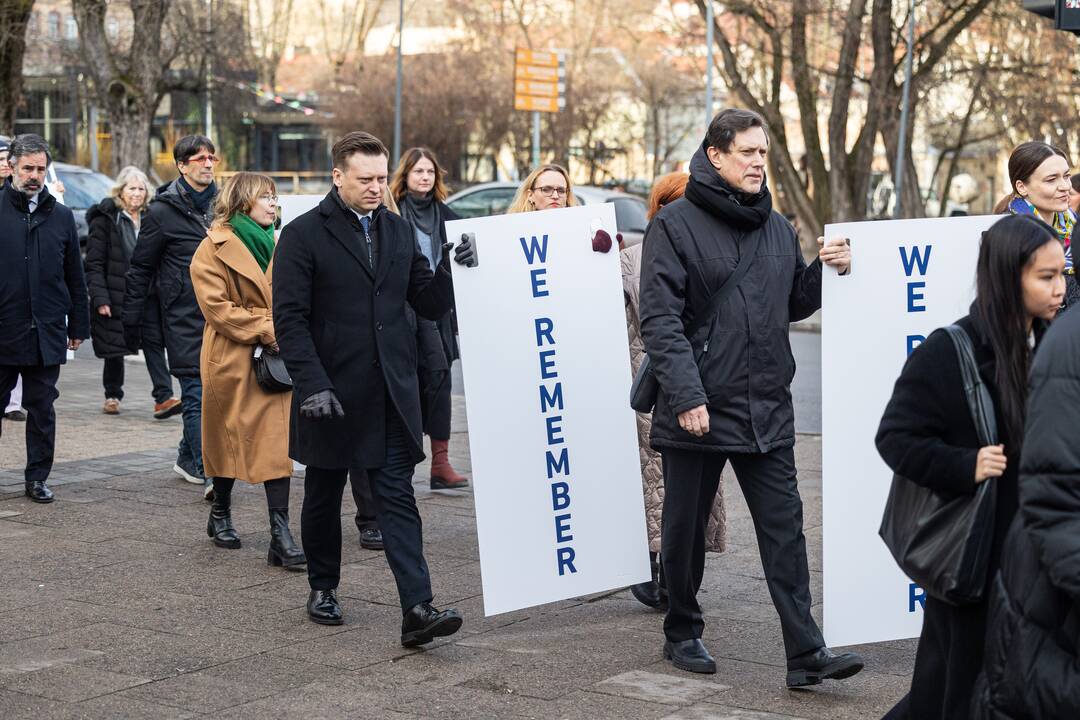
[536, 138]
[708, 62]
[397, 89]
[901, 145]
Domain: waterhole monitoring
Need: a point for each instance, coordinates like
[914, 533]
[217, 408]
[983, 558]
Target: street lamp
[901, 145]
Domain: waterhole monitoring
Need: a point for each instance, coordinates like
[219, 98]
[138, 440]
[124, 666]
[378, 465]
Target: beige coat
[652, 473]
[245, 430]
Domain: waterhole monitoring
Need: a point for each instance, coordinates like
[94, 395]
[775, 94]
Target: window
[112, 27]
[54, 25]
[33, 25]
[482, 203]
[71, 28]
[630, 214]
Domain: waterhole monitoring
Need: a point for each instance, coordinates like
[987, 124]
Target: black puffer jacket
[171, 232]
[106, 267]
[1031, 666]
[744, 375]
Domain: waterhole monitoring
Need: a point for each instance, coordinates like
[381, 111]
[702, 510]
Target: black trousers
[360, 484]
[769, 484]
[153, 348]
[435, 396]
[112, 377]
[39, 394]
[395, 509]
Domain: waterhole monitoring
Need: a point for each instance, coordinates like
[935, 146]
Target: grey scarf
[422, 213]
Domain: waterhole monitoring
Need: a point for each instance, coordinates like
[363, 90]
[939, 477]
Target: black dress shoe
[647, 593]
[39, 492]
[821, 664]
[371, 539]
[689, 655]
[423, 623]
[323, 607]
[15, 416]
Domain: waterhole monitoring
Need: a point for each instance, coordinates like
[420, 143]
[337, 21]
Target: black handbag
[646, 388]
[270, 370]
[943, 543]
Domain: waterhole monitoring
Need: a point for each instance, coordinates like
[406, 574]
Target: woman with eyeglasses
[548, 187]
[245, 428]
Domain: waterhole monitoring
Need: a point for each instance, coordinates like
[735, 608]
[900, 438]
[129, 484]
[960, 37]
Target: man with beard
[43, 300]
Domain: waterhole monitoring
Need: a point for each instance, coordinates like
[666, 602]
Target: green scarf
[259, 240]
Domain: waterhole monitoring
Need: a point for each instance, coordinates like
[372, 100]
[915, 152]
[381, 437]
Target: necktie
[365, 222]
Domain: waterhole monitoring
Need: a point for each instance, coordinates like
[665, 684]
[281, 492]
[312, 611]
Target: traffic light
[1065, 13]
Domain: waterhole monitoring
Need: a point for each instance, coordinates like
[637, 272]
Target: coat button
[379, 326]
[377, 363]
[378, 293]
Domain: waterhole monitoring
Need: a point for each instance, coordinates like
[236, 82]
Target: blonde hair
[400, 184]
[239, 194]
[522, 203]
[123, 178]
[389, 202]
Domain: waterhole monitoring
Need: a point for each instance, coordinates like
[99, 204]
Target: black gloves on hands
[323, 405]
[465, 254]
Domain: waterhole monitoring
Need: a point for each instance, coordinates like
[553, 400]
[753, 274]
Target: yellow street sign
[536, 104]
[535, 72]
[529, 57]
[532, 87]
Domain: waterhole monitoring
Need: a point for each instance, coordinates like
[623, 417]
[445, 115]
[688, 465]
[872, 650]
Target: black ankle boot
[219, 527]
[284, 552]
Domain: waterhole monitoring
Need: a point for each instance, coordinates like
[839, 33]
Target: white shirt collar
[361, 215]
[33, 202]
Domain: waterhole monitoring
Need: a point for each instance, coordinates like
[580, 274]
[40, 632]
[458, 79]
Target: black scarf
[709, 191]
[201, 199]
[422, 213]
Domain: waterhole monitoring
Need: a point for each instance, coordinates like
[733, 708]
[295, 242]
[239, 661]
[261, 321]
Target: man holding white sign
[732, 401]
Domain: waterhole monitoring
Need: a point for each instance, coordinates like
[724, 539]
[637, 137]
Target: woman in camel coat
[666, 189]
[245, 428]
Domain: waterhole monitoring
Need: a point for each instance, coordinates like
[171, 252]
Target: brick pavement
[114, 604]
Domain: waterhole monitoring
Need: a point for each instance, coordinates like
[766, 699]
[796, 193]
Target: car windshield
[83, 190]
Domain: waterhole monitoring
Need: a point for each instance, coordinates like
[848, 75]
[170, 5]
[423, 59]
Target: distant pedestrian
[548, 187]
[245, 428]
[420, 191]
[653, 593]
[114, 229]
[1030, 667]
[343, 274]
[173, 228]
[13, 410]
[725, 393]
[43, 299]
[1041, 184]
[928, 436]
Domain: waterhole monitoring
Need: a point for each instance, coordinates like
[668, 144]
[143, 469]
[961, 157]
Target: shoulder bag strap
[979, 401]
[713, 306]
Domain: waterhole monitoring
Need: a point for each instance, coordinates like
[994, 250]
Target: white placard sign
[553, 441]
[293, 206]
[908, 278]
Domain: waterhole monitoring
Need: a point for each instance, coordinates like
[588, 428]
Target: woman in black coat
[419, 192]
[114, 230]
[1030, 667]
[928, 436]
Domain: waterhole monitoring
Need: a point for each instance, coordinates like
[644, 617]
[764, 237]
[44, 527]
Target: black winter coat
[42, 287]
[106, 268]
[740, 365]
[171, 231]
[344, 328]
[1031, 667]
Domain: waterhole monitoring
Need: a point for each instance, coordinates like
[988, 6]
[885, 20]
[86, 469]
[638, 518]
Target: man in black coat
[343, 273]
[43, 300]
[172, 229]
[725, 394]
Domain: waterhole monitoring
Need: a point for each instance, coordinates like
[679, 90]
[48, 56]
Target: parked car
[83, 188]
[494, 197]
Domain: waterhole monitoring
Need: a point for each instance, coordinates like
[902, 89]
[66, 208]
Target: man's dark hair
[189, 146]
[729, 123]
[28, 144]
[356, 142]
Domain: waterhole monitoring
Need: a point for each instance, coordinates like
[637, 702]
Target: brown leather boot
[443, 475]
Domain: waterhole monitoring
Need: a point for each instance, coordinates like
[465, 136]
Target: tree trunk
[14, 16]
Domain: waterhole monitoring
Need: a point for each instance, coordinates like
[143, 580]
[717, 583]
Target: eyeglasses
[203, 159]
[272, 199]
[551, 191]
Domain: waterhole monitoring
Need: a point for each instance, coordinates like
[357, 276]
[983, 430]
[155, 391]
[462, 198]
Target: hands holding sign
[835, 253]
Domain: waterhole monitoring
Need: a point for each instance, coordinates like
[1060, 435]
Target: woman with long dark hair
[1040, 185]
[928, 436]
[420, 192]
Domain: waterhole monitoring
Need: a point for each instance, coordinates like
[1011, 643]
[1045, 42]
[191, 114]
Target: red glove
[601, 241]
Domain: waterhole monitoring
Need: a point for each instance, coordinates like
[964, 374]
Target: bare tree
[270, 22]
[346, 25]
[14, 16]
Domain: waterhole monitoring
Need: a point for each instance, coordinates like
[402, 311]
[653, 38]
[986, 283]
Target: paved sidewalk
[114, 604]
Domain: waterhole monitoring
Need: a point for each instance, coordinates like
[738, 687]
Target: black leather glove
[133, 337]
[323, 405]
[465, 253]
